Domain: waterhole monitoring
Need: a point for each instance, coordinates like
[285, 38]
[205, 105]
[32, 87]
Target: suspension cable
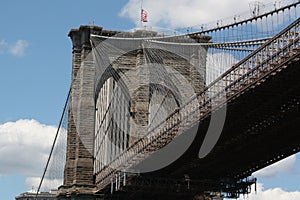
[54, 142]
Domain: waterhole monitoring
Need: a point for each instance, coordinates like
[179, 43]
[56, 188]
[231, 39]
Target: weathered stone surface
[78, 172]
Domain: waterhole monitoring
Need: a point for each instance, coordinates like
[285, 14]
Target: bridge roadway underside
[262, 127]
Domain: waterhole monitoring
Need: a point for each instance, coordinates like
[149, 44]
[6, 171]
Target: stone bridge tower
[78, 173]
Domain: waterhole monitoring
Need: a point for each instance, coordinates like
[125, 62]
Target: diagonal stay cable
[54, 142]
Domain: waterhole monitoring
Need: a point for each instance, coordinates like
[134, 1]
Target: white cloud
[283, 166]
[24, 147]
[269, 194]
[18, 49]
[184, 13]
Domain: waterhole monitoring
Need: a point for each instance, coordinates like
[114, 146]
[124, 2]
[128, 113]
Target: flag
[144, 16]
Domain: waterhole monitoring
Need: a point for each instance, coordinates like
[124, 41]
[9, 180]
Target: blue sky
[35, 61]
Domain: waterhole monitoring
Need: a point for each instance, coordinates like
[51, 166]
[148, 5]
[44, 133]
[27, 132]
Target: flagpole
[141, 24]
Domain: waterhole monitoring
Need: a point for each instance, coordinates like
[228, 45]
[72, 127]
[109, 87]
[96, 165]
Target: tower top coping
[86, 30]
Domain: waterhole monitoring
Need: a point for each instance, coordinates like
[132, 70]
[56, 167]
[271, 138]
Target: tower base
[78, 192]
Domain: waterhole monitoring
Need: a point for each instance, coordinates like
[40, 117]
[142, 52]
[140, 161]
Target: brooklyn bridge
[152, 115]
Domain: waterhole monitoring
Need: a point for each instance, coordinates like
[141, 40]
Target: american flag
[144, 16]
